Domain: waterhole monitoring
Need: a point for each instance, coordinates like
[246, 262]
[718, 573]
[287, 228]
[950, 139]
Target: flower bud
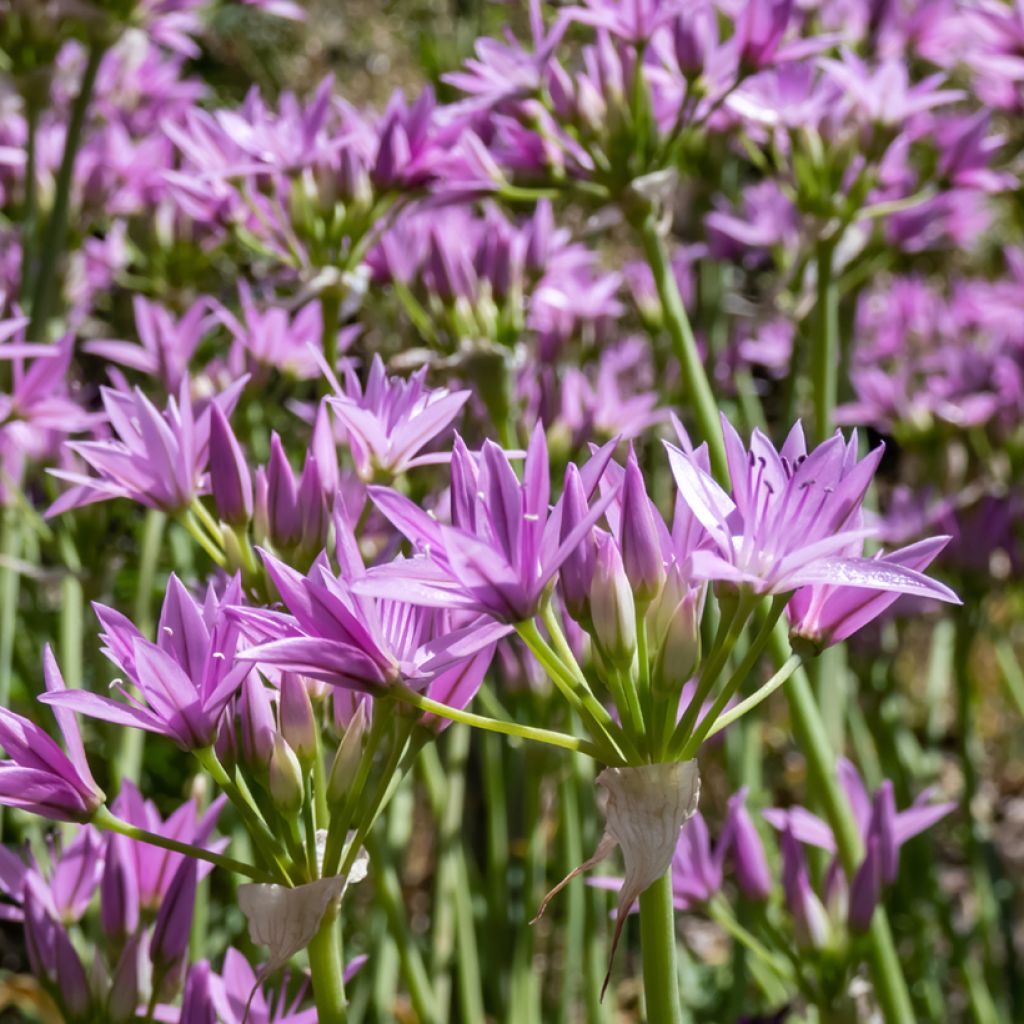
[809, 916]
[256, 717]
[346, 760]
[324, 449]
[866, 889]
[638, 536]
[197, 1002]
[125, 986]
[285, 779]
[353, 181]
[312, 508]
[693, 34]
[71, 979]
[577, 570]
[230, 480]
[752, 873]
[284, 523]
[119, 890]
[677, 652]
[612, 609]
[174, 919]
[393, 154]
[295, 717]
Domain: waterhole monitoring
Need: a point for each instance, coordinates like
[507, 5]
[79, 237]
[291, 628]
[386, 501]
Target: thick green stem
[658, 943]
[695, 379]
[825, 351]
[45, 278]
[327, 967]
[887, 973]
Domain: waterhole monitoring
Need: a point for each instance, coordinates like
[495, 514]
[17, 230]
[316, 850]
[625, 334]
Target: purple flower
[342, 636]
[168, 344]
[272, 339]
[883, 829]
[40, 777]
[503, 72]
[239, 997]
[183, 682]
[504, 544]
[810, 918]
[884, 95]
[159, 459]
[793, 518]
[825, 614]
[390, 420]
[753, 875]
[148, 870]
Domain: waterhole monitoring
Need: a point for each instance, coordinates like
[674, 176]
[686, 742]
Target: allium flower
[883, 829]
[884, 95]
[507, 71]
[183, 682]
[503, 547]
[275, 339]
[337, 634]
[390, 420]
[151, 867]
[159, 458]
[168, 343]
[825, 614]
[39, 776]
[793, 517]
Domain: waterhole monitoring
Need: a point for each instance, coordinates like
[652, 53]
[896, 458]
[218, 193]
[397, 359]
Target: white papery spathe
[646, 808]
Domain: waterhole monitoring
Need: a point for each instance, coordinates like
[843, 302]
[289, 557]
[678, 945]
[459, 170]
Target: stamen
[168, 630]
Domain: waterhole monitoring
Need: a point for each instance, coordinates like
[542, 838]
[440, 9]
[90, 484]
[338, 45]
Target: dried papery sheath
[646, 808]
[285, 919]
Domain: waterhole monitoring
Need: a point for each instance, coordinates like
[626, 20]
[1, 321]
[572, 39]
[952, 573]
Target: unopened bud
[678, 649]
[285, 779]
[577, 570]
[295, 717]
[350, 753]
[256, 717]
[638, 536]
[612, 609]
[230, 480]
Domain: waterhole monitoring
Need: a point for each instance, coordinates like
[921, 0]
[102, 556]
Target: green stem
[326, 965]
[825, 352]
[566, 674]
[524, 732]
[730, 626]
[736, 680]
[388, 893]
[247, 809]
[696, 386]
[759, 695]
[887, 973]
[720, 912]
[56, 225]
[106, 820]
[658, 943]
